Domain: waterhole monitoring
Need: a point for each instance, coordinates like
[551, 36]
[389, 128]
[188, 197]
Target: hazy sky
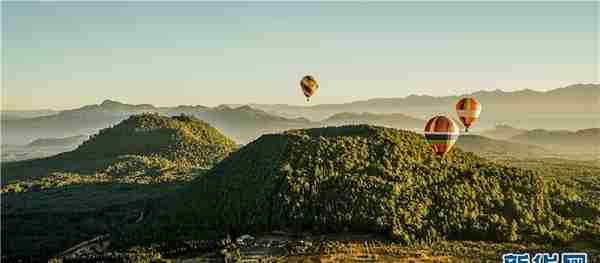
[67, 54]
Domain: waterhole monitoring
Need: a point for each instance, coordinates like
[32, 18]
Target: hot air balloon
[441, 133]
[468, 110]
[309, 86]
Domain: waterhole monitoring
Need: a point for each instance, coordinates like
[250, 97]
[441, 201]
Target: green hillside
[377, 180]
[142, 144]
[104, 184]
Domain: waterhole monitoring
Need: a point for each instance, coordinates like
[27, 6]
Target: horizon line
[303, 105]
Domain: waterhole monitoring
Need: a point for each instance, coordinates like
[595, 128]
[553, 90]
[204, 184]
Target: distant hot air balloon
[468, 110]
[441, 133]
[309, 86]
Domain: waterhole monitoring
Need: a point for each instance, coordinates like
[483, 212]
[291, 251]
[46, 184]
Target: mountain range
[499, 149]
[572, 107]
[502, 132]
[243, 123]
[578, 144]
[58, 142]
[586, 138]
[24, 114]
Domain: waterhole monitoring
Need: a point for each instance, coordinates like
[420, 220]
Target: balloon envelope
[441, 134]
[468, 110]
[309, 86]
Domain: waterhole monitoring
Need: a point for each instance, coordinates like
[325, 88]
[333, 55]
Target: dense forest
[374, 179]
[175, 185]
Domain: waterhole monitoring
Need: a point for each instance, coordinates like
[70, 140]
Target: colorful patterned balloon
[441, 133]
[468, 110]
[309, 86]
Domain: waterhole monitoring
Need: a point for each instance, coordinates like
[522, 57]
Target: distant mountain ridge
[24, 114]
[502, 132]
[586, 138]
[585, 94]
[553, 109]
[245, 123]
[572, 107]
[499, 149]
[54, 142]
[242, 124]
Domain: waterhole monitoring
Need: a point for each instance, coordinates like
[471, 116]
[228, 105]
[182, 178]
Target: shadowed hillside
[138, 143]
[374, 179]
[104, 183]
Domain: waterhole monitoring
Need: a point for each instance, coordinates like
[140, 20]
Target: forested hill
[139, 143]
[378, 180]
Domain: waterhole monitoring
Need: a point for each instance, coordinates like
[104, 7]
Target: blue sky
[67, 54]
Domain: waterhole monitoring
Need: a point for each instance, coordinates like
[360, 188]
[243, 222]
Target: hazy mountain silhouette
[85, 120]
[40, 148]
[572, 107]
[502, 132]
[58, 142]
[492, 148]
[584, 139]
[242, 124]
[24, 114]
